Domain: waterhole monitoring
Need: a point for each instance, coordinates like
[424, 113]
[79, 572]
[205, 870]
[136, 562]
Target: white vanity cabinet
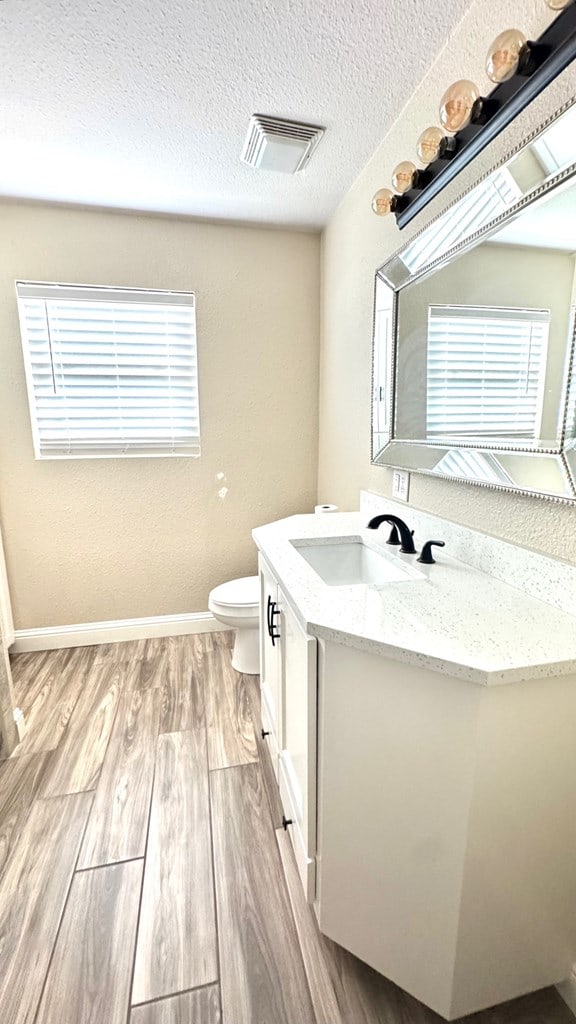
[270, 664]
[289, 698]
[447, 828]
[297, 761]
[424, 741]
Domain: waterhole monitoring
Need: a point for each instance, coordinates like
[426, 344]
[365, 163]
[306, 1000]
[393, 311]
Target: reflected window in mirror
[486, 369]
[474, 331]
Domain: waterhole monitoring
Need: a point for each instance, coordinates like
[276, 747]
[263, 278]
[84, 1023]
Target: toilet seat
[242, 594]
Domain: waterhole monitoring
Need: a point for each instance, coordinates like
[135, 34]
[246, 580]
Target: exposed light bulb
[428, 145]
[505, 54]
[457, 105]
[383, 202]
[404, 176]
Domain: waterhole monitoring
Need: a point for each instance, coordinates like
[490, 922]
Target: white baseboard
[567, 990]
[85, 634]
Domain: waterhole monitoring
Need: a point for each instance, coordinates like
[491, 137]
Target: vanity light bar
[523, 69]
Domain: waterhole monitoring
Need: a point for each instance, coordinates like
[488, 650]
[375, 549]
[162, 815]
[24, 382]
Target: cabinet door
[298, 754]
[270, 664]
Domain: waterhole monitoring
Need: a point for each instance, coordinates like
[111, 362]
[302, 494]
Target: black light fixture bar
[551, 54]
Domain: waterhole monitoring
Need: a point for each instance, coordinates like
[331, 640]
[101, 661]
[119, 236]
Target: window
[494, 196]
[110, 371]
[485, 372]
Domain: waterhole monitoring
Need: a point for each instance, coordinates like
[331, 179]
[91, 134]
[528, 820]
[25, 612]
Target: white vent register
[273, 144]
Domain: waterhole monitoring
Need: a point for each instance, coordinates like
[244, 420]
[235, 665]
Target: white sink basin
[344, 561]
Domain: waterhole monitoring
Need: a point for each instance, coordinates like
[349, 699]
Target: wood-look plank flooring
[33, 893]
[199, 1007]
[256, 929]
[143, 878]
[181, 686]
[177, 934]
[118, 823]
[231, 739]
[78, 759]
[321, 987]
[50, 699]
[89, 979]
[20, 781]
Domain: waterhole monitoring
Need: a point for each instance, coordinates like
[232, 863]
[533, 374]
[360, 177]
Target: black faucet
[426, 556]
[407, 545]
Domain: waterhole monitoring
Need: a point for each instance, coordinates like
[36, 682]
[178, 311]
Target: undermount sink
[346, 561]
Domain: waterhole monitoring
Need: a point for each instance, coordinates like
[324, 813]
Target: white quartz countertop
[453, 619]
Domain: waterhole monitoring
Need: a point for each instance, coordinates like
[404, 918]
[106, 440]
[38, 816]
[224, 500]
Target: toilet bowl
[237, 604]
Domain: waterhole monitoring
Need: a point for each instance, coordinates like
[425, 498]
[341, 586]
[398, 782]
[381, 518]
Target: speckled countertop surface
[452, 619]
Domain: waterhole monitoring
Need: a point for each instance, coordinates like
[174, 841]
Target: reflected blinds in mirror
[486, 369]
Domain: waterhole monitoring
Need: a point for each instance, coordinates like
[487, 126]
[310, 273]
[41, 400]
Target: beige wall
[356, 242]
[90, 540]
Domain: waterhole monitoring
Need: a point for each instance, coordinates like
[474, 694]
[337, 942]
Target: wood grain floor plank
[203, 642]
[33, 892]
[89, 977]
[26, 669]
[182, 686]
[78, 759]
[177, 947]
[151, 664]
[252, 684]
[314, 954]
[126, 652]
[20, 781]
[199, 1007]
[231, 739]
[263, 976]
[118, 822]
[223, 638]
[56, 691]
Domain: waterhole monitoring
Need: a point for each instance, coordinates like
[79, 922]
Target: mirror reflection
[483, 342]
[476, 349]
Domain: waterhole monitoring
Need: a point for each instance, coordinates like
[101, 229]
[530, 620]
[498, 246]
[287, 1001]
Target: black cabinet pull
[285, 822]
[272, 610]
[264, 733]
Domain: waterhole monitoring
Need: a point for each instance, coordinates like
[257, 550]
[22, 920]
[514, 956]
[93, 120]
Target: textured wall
[356, 243]
[90, 540]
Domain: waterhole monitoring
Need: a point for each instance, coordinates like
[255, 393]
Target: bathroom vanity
[422, 726]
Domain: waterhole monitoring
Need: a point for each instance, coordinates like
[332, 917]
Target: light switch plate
[400, 484]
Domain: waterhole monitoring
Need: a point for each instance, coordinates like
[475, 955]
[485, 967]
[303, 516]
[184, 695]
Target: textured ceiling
[144, 106]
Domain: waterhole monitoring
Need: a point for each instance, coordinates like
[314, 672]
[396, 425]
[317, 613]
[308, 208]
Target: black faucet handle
[393, 538]
[426, 555]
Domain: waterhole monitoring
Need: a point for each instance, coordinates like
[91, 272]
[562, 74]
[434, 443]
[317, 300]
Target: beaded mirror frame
[544, 471]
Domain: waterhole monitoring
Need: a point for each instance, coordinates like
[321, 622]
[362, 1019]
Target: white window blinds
[485, 371]
[110, 371]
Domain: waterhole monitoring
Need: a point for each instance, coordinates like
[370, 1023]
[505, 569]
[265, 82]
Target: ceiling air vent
[276, 145]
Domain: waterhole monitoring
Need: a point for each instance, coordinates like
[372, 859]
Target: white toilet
[237, 604]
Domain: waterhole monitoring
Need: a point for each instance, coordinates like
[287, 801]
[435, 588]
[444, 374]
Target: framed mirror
[474, 331]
